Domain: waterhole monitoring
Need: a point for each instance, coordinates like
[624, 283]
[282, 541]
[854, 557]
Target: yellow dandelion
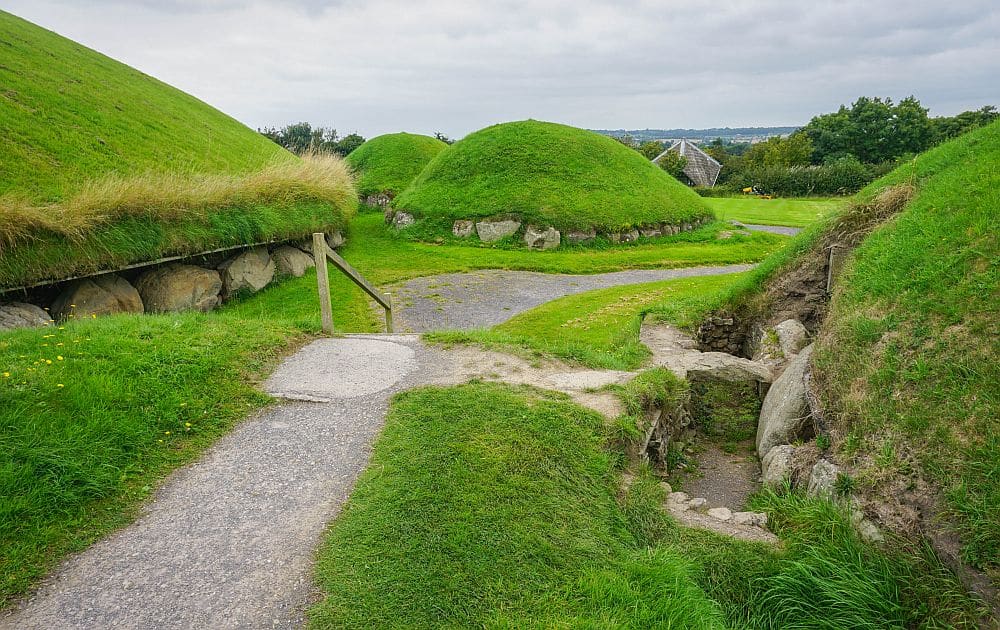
[93, 316]
[6, 374]
[60, 385]
[59, 344]
[62, 328]
[48, 361]
[59, 358]
[72, 305]
[187, 424]
[166, 433]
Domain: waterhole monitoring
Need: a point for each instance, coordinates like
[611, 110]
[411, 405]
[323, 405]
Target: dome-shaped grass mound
[388, 163]
[549, 175]
[102, 166]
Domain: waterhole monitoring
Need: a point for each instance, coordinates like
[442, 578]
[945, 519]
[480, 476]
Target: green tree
[348, 143]
[650, 149]
[673, 162]
[795, 150]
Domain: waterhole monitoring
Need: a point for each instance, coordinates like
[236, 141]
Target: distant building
[701, 168]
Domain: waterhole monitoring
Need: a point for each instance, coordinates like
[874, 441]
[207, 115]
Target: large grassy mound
[388, 163]
[910, 354]
[101, 165]
[549, 175]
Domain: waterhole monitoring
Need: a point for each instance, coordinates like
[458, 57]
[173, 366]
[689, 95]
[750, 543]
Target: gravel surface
[773, 229]
[461, 301]
[228, 542]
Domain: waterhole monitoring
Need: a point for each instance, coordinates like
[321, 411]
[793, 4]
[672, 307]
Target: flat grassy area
[790, 212]
[493, 506]
[94, 413]
[548, 175]
[390, 162]
[910, 355]
[102, 166]
[385, 256]
[599, 329]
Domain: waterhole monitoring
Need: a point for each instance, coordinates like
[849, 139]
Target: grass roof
[102, 165]
[551, 175]
[388, 163]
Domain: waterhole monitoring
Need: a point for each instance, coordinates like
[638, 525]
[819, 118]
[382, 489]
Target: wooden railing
[322, 253]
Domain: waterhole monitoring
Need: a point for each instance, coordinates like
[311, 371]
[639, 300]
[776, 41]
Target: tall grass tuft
[173, 196]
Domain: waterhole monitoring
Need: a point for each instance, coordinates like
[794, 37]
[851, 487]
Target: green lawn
[599, 328]
[790, 212]
[493, 506]
[548, 175]
[385, 256]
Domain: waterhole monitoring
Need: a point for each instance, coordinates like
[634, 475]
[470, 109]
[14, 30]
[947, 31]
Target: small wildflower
[166, 433]
[159, 441]
[93, 316]
[187, 424]
[62, 328]
[59, 358]
[59, 344]
[72, 305]
[184, 404]
[48, 361]
[60, 385]
[6, 374]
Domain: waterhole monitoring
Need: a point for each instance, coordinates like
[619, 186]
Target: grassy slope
[78, 459]
[385, 256]
[599, 328]
[492, 506]
[390, 162]
[548, 174]
[72, 120]
[910, 353]
[791, 212]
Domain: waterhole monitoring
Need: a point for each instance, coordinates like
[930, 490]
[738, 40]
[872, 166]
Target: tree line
[302, 138]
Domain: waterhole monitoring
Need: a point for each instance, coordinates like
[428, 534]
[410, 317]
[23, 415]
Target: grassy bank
[94, 413]
[548, 175]
[790, 212]
[493, 506]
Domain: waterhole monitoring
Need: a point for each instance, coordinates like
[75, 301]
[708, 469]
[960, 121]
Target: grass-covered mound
[101, 165]
[547, 174]
[910, 353]
[388, 163]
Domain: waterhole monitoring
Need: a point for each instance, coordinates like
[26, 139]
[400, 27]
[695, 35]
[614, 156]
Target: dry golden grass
[166, 197]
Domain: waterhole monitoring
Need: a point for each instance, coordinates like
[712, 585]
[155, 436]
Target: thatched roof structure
[702, 169]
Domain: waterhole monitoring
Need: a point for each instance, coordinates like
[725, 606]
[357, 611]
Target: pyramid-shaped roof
[701, 168]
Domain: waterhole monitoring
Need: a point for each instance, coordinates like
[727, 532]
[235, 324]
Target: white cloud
[421, 65]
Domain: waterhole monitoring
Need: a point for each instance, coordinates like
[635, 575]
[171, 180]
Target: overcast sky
[377, 66]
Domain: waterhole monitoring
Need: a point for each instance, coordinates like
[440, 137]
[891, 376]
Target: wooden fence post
[388, 313]
[323, 281]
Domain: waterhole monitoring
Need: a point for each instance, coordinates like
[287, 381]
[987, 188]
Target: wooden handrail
[321, 253]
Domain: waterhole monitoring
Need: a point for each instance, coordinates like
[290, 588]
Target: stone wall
[199, 283]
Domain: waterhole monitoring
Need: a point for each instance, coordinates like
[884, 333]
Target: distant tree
[795, 150]
[673, 162]
[443, 138]
[348, 143]
[302, 138]
[946, 127]
[627, 140]
[650, 149]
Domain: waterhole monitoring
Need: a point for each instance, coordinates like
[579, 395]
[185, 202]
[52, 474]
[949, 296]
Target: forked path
[228, 541]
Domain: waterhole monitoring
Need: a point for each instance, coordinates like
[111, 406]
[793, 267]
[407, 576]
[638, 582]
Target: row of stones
[169, 288]
[681, 502]
[492, 230]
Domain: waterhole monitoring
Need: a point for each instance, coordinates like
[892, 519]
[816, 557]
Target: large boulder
[462, 228]
[776, 466]
[784, 416]
[492, 231]
[539, 238]
[101, 295]
[402, 220]
[22, 315]
[823, 479]
[250, 271]
[178, 287]
[335, 239]
[289, 261]
[792, 336]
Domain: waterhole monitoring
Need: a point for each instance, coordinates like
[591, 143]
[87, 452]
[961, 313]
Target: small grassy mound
[910, 355]
[547, 174]
[387, 164]
[101, 165]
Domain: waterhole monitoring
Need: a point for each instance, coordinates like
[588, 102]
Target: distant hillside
[736, 134]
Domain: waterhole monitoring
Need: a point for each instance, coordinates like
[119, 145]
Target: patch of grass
[385, 256]
[487, 505]
[911, 350]
[102, 166]
[86, 437]
[790, 212]
[549, 175]
[388, 163]
[597, 328]
[726, 412]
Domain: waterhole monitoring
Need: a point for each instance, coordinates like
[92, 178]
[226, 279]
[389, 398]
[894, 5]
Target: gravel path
[773, 229]
[461, 301]
[228, 542]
